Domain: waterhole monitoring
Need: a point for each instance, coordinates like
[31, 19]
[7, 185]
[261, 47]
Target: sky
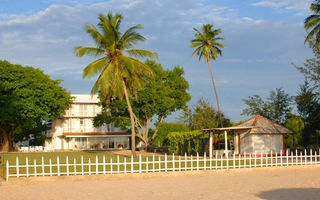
[262, 38]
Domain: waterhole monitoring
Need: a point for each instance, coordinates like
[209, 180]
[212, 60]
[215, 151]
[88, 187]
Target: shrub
[164, 129]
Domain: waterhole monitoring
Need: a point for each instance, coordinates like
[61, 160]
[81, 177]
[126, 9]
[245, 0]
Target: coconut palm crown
[120, 73]
[312, 25]
[207, 45]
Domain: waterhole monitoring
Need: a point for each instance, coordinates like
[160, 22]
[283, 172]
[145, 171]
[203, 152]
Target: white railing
[105, 165]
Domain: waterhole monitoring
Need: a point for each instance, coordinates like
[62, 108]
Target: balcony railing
[80, 114]
[84, 130]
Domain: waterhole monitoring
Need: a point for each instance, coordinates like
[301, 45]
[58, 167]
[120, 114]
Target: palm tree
[119, 75]
[312, 24]
[207, 46]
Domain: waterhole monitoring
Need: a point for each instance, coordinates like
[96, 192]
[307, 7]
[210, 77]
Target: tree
[202, 116]
[308, 106]
[119, 74]
[28, 98]
[164, 93]
[311, 70]
[312, 25]
[296, 124]
[207, 46]
[165, 128]
[276, 107]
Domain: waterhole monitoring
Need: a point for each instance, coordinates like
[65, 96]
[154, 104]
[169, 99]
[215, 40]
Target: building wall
[78, 118]
[267, 143]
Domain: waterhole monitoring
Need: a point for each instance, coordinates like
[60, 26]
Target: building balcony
[85, 130]
[79, 114]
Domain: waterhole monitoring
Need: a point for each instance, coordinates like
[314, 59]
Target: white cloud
[301, 7]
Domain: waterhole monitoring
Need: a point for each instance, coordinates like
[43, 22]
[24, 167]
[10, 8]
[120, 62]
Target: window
[81, 122]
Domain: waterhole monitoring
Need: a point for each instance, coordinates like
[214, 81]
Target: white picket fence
[156, 164]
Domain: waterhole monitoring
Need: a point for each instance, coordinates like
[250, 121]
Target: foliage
[312, 25]
[164, 129]
[202, 115]
[189, 142]
[164, 93]
[311, 70]
[208, 46]
[296, 124]
[120, 72]
[308, 106]
[276, 107]
[28, 98]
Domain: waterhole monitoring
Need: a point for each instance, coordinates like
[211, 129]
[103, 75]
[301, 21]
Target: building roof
[98, 134]
[255, 125]
[85, 98]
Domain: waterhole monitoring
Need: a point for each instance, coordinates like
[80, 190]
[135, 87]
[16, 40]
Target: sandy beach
[285, 183]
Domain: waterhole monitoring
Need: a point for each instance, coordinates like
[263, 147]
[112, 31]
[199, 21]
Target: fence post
[97, 166]
[221, 162]
[205, 161]
[216, 159]
[50, 167]
[305, 157]
[261, 159]
[153, 163]
[67, 165]
[159, 164]
[239, 160]
[179, 163]
[89, 166]
[131, 164]
[210, 160]
[125, 165]
[35, 167]
[118, 164]
[276, 159]
[234, 161]
[42, 161]
[300, 158]
[75, 166]
[281, 164]
[147, 164]
[17, 165]
[255, 159]
[287, 158]
[296, 157]
[104, 164]
[58, 165]
[82, 171]
[165, 162]
[173, 163]
[185, 162]
[315, 157]
[271, 159]
[140, 163]
[111, 166]
[250, 159]
[245, 160]
[27, 166]
[191, 164]
[197, 161]
[311, 156]
[227, 159]
[291, 157]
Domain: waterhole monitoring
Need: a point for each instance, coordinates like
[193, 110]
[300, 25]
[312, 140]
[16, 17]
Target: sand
[285, 183]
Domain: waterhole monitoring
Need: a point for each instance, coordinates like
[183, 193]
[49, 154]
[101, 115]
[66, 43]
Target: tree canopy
[164, 93]
[28, 98]
[276, 107]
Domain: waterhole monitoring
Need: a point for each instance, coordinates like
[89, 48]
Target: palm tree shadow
[291, 194]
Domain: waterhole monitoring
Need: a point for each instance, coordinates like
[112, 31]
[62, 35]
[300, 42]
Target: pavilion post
[226, 143]
[210, 145]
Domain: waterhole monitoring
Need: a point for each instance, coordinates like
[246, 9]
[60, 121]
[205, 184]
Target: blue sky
[262, 38]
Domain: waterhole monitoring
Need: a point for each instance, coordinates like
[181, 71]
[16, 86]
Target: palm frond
[95, 67]
[92, 51]
[142, 53]
[95, 35]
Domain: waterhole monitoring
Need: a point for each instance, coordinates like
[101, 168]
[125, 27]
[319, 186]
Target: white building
[75, 131]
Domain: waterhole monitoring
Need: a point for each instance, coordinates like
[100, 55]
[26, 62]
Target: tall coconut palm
[207, 46]
[120, 73]
[312, 25]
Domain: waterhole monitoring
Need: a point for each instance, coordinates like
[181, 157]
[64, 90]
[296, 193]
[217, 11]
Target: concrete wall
[267, 143]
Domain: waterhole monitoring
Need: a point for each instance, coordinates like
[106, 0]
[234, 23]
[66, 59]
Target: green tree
[276, 107]
[207, 46]
[119, 74]
[28, 98]
[203, 115]
[296, 124]
[165, 128]
[308, 106]
[312, 25]
[311, 70]
[164, 93]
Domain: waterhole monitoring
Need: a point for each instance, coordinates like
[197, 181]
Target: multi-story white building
[75, 131]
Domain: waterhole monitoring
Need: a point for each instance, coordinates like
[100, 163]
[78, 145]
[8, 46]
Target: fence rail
[103, 165]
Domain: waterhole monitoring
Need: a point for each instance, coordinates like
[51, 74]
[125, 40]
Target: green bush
[164, 129]
[189, 142]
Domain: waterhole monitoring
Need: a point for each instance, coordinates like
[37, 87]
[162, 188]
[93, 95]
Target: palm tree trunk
[133, 134]
[216, 94]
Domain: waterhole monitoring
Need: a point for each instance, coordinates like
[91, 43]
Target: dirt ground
[282, 183]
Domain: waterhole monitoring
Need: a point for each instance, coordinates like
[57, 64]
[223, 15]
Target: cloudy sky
[262, 38]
